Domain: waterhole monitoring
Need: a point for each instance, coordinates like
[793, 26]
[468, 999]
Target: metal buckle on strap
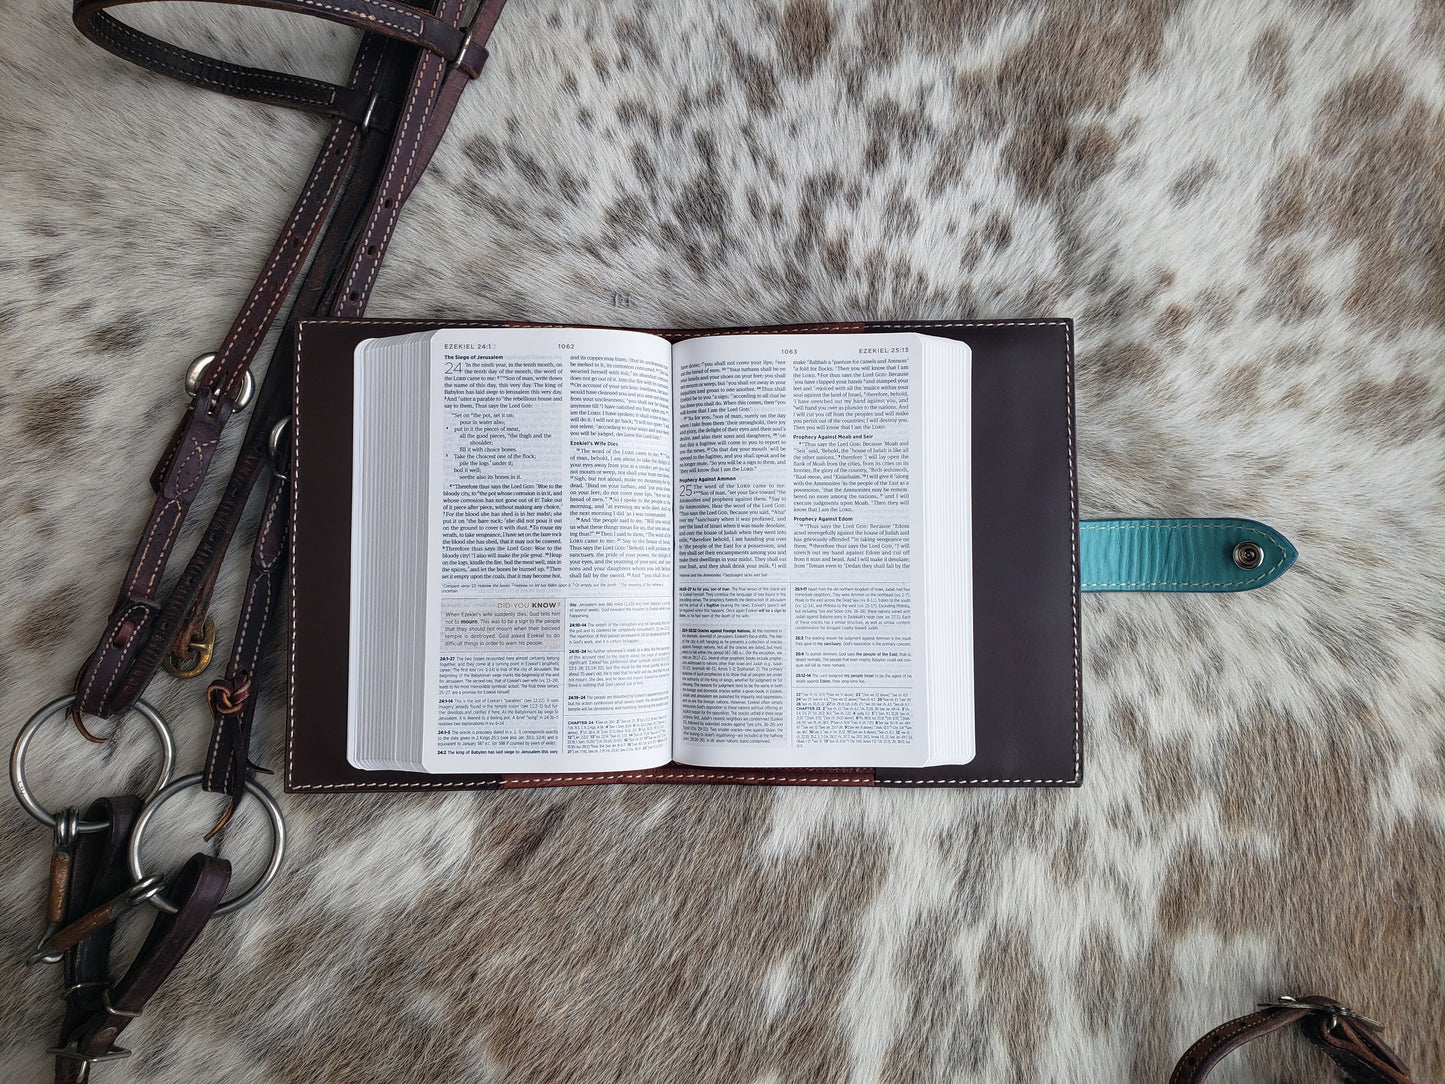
[1334, 1009]
[198, 655]
[72, 1051]
[456, 61]
[105, 1004]
[197, 369]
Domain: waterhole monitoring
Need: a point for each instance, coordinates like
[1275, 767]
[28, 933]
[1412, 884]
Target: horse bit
[385, 122]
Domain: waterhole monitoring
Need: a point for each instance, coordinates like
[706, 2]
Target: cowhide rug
[1243, 207]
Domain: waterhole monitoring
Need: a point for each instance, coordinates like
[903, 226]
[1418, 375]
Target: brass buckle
[201, 650]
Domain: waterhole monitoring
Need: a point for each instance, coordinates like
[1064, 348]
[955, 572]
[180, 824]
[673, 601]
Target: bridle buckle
[1335, 1011]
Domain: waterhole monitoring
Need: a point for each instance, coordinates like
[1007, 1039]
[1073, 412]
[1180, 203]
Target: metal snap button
[1248, 555]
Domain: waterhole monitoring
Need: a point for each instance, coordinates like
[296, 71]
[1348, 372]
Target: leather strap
[232, 699]
[1341, 1033]
[1180, 555]
[185, 461]
[404, 22]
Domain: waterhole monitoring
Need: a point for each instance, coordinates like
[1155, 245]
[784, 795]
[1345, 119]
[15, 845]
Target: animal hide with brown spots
[1242, 207]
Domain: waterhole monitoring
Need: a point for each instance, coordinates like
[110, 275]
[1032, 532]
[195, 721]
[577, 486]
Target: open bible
[684, 550]
[594, 550]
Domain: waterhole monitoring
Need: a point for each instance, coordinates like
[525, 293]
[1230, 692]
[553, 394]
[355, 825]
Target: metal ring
[273, 441]
[278, 846]
[21, 786]
[196, 370]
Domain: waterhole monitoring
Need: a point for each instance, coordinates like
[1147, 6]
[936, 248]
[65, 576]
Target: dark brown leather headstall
[385, 122]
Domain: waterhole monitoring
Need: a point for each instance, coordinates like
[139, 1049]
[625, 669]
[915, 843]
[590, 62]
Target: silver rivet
[1248, 555]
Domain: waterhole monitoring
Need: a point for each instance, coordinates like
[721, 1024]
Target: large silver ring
[278, 844]
[21, 785]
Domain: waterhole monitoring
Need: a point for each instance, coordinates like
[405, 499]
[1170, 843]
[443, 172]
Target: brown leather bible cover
[1025, 568]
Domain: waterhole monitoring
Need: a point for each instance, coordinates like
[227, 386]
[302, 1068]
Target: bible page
[799, 628]
[549, 597]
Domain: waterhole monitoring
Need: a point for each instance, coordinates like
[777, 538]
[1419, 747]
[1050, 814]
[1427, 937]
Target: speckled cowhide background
[1241, 204]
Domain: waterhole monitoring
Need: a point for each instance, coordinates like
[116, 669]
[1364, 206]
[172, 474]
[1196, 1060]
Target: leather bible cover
[1025, 568]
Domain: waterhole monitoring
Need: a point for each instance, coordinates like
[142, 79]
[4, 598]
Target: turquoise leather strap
[1180, 554]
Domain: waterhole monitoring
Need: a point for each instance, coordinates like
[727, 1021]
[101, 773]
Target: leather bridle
[385, 122]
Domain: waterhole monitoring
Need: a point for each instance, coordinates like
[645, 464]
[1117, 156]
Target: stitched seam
[395, 9]
[218, 738]
[388, 224]
[295, 548]
[198, 448]
[371, 321]
[245, 654]
[165, 547]
[496, 782]
[1221, 1036]
[113, 24]
[114, 677]
[349, 13]
[1074, 570]
[224, 76]
[1186, 527]
[272, 509]
[318, 216]
[721, 776]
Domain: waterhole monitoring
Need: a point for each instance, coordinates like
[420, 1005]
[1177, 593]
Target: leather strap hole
[371, 250]
[353, 296]
[388, 203]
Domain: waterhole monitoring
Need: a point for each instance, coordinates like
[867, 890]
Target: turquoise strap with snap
[1180, 554]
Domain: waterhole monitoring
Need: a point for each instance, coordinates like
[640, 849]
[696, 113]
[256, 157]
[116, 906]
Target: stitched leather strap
[1361, 1056]
[186, 459]
[404, 22]
[232, 698]
[1180, 555]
